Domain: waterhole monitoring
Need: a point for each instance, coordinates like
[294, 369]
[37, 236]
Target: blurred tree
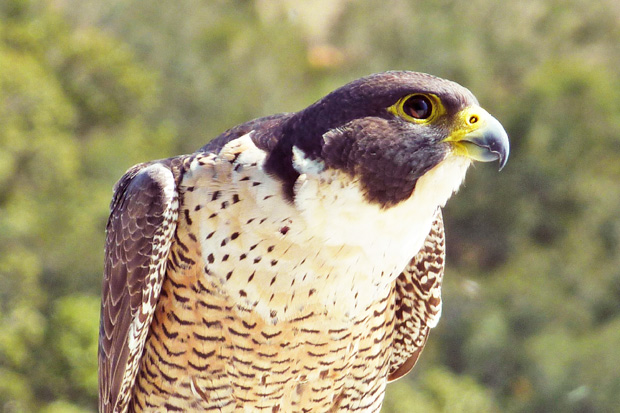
[439, 391]
[74, 109]
[225, 64]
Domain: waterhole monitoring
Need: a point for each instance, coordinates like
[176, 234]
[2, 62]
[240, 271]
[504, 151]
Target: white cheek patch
[304, 165]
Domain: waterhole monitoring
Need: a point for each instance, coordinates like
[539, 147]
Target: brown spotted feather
[139, 232]
[418, 301]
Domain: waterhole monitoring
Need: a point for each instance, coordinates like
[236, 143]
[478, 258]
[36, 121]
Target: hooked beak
[482, 138]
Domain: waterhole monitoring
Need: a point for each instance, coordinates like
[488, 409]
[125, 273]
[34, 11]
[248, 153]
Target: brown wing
[143, 216]
[418, 301]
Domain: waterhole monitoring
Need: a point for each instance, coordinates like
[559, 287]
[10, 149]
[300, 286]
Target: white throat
[337, 212]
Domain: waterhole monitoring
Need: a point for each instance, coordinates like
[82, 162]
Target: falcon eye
[418, 107]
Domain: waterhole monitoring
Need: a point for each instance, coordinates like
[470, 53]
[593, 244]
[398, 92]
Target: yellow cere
[467, 121]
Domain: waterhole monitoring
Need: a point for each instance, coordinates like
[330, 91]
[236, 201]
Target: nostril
[473, 119]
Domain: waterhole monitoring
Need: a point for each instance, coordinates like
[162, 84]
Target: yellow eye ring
[417, 108]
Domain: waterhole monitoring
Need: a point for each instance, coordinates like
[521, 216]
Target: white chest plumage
[331, 251]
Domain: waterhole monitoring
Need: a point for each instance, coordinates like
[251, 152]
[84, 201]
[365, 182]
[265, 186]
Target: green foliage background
[532, 293]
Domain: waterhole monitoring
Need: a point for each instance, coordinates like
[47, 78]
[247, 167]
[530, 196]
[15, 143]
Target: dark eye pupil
[418, 107]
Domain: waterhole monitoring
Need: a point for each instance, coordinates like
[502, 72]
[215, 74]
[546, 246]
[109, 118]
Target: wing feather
[418, 301]
[143, 216]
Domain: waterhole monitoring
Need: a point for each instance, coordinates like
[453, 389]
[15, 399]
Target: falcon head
[386, 131]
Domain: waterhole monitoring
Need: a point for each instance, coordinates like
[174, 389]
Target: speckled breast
[206, 352]
[255, 313]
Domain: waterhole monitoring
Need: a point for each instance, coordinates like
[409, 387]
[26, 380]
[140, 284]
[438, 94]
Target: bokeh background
[532, 289]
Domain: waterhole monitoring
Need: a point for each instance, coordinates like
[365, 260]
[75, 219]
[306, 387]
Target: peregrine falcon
[294, 263]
